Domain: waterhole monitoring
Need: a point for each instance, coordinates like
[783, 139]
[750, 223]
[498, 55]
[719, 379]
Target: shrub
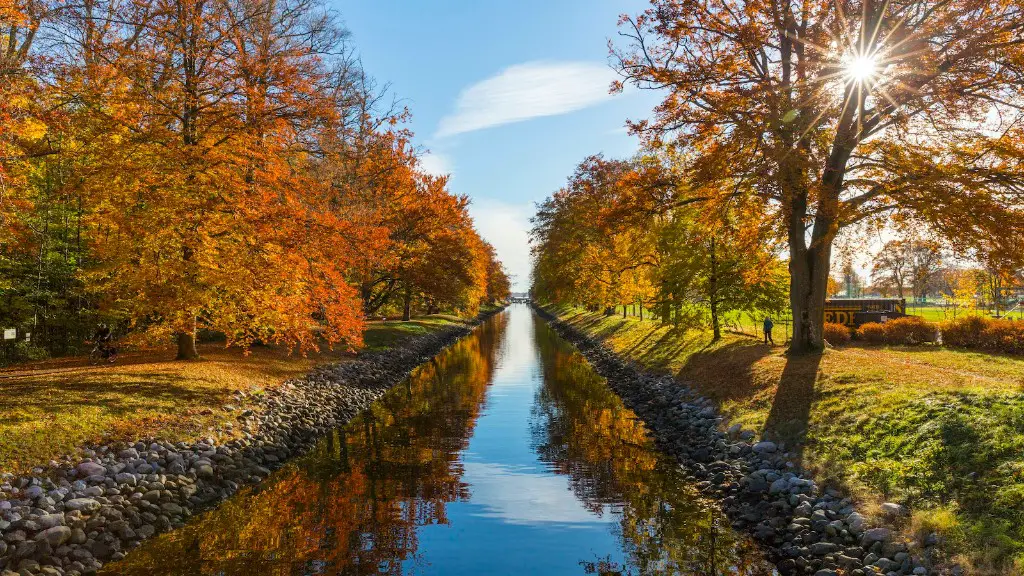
[963, 332]
[991, 334]
[872, 333]
[1004, 336]
[836, 334]
[910, 330]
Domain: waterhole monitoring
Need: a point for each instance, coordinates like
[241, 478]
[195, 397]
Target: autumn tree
[925, 258]
[616, 234]
[499, 287]
[890, 269]
[839, 112]
[205, 118]
[586, 247]
[705, 263]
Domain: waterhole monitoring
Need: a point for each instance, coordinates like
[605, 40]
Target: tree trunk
[407, 307]
[716, 325]
[187, 344]
[623, 310]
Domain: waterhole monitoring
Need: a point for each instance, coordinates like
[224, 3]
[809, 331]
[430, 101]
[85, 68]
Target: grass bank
[939, 430]
[49, 408]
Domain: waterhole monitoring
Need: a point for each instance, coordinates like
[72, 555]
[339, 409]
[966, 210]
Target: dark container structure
[853, 312]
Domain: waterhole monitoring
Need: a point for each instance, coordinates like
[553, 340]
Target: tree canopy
[177, 165]
[824, 114]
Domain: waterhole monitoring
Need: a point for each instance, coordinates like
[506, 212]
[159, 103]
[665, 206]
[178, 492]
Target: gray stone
[86, 505]
[823, 548]
[87, 468]
[876, 535]
[55, 536]
[33, 492]
[778, 486]
[765, 447]
[856, 522]
[28, 565]
[886, 565]
[50, 520]
[204, 471]
[893, 510]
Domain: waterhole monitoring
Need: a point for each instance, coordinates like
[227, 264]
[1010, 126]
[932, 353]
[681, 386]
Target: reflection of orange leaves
[357, 501]
[605, 450]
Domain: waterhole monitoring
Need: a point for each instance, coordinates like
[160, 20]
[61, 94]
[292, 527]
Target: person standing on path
[768, 325]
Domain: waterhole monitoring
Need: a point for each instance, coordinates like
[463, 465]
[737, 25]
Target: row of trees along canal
[174, 165]
[782, 126]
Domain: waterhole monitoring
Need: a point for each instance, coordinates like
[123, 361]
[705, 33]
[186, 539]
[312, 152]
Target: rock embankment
[74, 517]
[805, 530]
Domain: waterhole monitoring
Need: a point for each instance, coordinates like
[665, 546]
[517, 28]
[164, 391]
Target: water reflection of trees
[582, 429]
[352, 506]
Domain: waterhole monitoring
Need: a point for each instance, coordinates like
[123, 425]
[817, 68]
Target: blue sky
[507, 96]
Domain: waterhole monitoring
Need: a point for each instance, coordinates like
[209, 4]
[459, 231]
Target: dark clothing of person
[768, 325]
[104, 339]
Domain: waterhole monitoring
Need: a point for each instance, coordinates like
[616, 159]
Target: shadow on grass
[118, 397]
[749, 373]
[790, 413]
[726, 372]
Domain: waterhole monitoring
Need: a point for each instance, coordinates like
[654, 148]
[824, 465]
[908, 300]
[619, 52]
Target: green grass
[49, 408]
[381, 335]
[940, 430]
[939, 313]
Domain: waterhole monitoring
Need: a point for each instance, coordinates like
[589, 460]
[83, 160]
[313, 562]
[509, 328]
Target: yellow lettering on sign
[844, 317]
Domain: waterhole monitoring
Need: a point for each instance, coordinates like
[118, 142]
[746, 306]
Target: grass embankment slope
[49, 408]
[937, 429]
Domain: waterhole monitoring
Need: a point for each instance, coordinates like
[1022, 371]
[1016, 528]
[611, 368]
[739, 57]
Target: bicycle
[102, 352]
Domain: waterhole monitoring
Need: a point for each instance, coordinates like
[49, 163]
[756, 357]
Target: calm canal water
[506, 454]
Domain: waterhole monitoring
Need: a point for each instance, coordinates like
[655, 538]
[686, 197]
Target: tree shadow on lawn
[117, 397]
[590, 324]
[790, 413]
[761, 379]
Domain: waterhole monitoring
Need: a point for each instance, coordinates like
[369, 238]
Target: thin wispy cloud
[525, 91]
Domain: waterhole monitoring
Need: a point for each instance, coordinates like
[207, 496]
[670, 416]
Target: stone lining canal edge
[803, 528]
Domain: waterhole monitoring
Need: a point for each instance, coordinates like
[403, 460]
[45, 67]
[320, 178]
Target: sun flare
[861, 68]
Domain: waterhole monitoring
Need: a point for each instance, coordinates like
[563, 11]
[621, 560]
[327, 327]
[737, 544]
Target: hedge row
[974, 332]
[984, 334]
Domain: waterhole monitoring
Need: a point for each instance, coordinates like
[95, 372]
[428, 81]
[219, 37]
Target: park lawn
[49, 408]
[937, 429]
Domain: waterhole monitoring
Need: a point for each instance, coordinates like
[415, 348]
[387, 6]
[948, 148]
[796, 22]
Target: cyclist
[103, 340]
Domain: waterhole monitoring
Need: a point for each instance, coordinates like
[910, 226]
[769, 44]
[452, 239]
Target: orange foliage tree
[618, 234]
[228, 166]
[833, 113]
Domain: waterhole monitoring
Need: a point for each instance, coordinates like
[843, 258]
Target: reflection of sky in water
[521, 517]
[518, 497]
[383, 496]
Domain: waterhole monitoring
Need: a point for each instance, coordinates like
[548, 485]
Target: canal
[506, 454]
